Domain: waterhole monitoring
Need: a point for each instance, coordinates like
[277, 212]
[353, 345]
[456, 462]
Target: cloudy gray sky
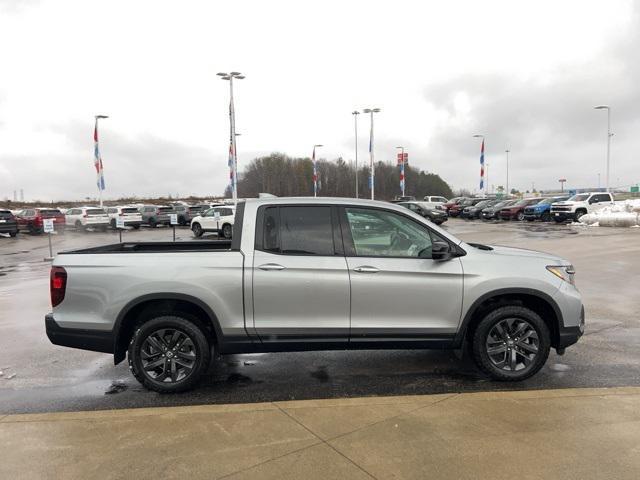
[525, 74]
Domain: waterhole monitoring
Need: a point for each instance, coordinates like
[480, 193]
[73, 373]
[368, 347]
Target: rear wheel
[14, 233]
[169, 353]
[113, 223]
[79, 226]
[196, 228]
[511, 343]
[545, 217]
[520, 216]
[226, 231]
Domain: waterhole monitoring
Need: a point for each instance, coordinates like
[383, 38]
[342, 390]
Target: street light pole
[355, 114]
[233, 154]
[507, 152]
[98, 159]
[372, 177]
[402, 177]
[609, 135]
[482, 175]
[315, 171]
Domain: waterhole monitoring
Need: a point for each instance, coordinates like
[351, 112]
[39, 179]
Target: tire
[530, 219]
[558, 220]
[520, 216]
[227, 231]
[197, 230]
[545, 217]
[526, 362]
[113, 223]
[182, 221]
[136, 227]
[579, 213]
[179, 370]
[153, 223]
[14, 233]
[79, 226]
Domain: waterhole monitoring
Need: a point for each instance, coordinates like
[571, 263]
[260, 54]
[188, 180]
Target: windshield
[579, 198]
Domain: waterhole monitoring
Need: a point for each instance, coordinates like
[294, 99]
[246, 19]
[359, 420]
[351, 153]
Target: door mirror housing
[441, 251]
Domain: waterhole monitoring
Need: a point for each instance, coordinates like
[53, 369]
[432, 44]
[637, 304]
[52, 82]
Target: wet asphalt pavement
[37, 376]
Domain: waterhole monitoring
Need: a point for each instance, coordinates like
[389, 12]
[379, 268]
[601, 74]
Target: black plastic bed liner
[156, 247]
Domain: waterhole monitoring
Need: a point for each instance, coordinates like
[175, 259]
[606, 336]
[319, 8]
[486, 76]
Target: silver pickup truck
[313, 274]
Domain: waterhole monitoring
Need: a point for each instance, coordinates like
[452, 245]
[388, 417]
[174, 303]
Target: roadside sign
[119, 222]
[47, 225]
[403, 156]
[216, 215]
[635, 189]
[173, 217]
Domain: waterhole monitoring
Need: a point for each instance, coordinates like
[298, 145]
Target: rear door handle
[366, 269]
[271, 266]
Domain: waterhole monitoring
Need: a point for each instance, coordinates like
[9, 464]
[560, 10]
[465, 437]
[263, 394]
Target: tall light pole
[482, 181]
[507, 152]
[402, 177]
[372, 175]
[355, 114]
[609, 135]
[97, 160]
[315, 171]
[233, 153]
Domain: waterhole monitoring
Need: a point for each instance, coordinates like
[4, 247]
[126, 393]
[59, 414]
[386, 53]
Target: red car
[516, 211]
[452, 202]
[30, 219]
[456, 209]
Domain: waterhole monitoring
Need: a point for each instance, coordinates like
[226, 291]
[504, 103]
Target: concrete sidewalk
[550, 434]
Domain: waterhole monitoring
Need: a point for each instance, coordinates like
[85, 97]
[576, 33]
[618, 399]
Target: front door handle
[366, 269]
[271, 266]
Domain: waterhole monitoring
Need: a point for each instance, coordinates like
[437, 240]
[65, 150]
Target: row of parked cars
[559, 208]
[201, 218]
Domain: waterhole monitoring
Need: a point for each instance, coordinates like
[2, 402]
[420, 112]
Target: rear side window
[129, 210]
[298, 230]
[165, 209]
[95, 211]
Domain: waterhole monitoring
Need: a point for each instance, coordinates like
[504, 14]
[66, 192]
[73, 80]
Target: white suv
[87, 217]
[131, 216]
[579, 205]
[217, 219]
[434, 202]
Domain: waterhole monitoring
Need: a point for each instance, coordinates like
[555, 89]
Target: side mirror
[440, 251]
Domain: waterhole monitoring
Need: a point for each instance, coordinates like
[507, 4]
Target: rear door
[300, 278]
[398, 292]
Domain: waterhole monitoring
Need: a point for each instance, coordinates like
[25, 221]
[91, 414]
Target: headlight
[564, 272]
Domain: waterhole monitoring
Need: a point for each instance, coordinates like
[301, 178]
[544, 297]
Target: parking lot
[38, 376]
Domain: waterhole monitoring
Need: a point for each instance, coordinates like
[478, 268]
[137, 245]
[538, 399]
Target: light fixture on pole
[315, 170]
[482, 180]
[97, 160]
[609, 135]
[233, 154]
[507, 152]
[372, 174]
[355, 114]
[402, 177]
[562, 182]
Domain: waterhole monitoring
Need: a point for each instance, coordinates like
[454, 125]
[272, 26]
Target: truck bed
[155, 247]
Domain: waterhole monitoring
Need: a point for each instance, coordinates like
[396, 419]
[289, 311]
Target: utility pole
[233, 154]
[355, 114]
[372, 178]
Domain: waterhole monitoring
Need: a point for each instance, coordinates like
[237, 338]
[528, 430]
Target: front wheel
[520, 216]
[545, 217]
[153, 223]
[14, 233]
[511, 343]
[197, 229]
[169, 354]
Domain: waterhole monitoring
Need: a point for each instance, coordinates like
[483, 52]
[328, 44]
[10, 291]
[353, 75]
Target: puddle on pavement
[320, 374]
[116, 386]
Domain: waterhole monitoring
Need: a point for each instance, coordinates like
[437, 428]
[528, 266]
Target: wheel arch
[538, 301]
[165, 302]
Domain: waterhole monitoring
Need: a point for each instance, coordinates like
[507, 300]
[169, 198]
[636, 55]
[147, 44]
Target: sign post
[47, 226]
[120, 226]
[173, 217]
[216, 215]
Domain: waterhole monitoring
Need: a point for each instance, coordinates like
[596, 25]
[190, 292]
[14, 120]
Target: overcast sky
[525, 74]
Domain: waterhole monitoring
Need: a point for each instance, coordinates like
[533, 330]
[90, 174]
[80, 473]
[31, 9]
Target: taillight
[57, 285]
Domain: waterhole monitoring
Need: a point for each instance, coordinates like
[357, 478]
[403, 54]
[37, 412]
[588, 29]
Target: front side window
[380, 233]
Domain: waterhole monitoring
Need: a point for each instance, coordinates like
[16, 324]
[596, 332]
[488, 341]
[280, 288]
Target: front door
[398, 292]
[300, 278]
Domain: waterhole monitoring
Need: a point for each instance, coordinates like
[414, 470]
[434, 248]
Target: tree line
[284, 176]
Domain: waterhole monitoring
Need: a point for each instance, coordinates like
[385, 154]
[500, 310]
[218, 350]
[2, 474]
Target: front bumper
[93, 340]
[563, 216]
